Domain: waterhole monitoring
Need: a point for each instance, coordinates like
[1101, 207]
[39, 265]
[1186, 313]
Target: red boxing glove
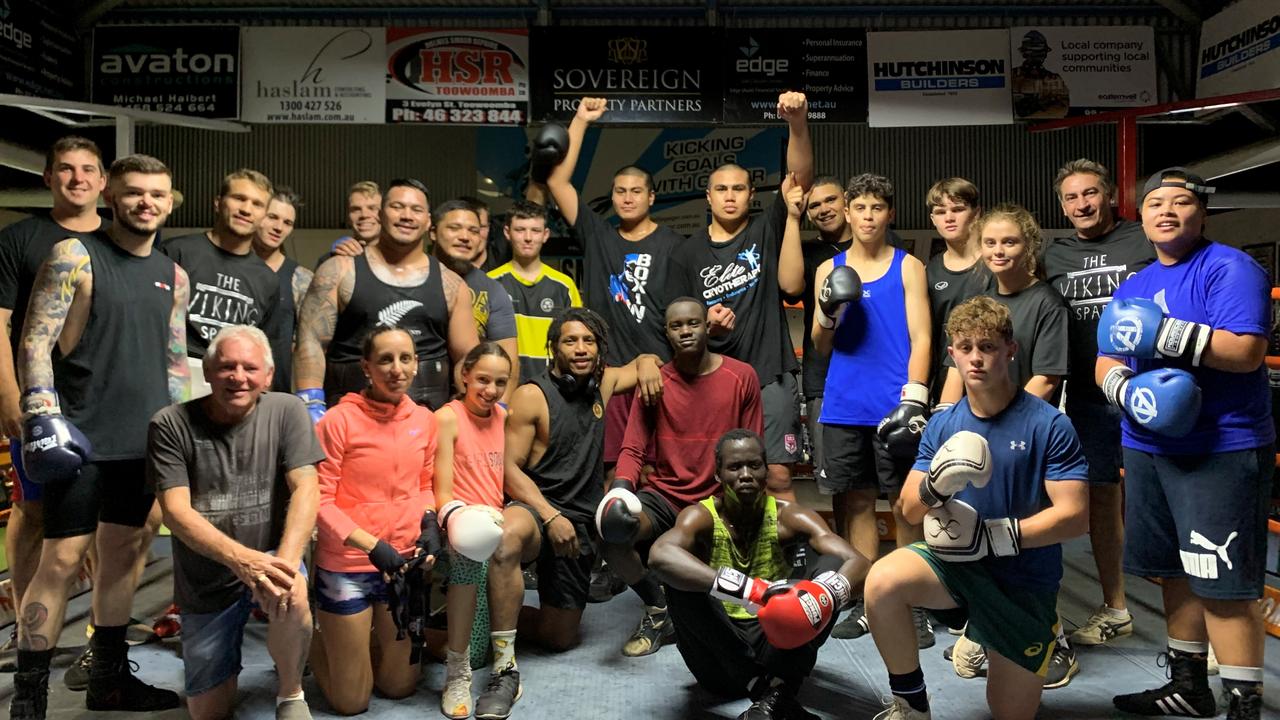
[735, 587]
[792, 615]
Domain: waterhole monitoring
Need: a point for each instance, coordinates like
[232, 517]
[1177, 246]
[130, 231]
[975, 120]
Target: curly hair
[1027, 226]
[596, 324]
[980, 317]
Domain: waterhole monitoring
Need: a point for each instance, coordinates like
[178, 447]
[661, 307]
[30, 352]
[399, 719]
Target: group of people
[457, 426]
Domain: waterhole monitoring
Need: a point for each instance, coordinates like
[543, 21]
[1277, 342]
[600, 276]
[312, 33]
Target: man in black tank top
[268, 244]
[106, 306]
[230, 284]
[394, 283]
[555, 478]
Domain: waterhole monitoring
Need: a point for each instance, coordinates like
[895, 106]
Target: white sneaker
[455, 701]
[968, 657]
[1101, 627]
[898, 709]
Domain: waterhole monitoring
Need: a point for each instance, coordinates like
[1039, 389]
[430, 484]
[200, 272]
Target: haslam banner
[649, 75]
[39, 52]
[828, 66]
[313, 75]
[1061, 71]
[184, 69]
[1240, 49]
[955, 77]
[457, 77]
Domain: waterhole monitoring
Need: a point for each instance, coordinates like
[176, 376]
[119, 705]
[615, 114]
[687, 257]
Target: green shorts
[1021, 625]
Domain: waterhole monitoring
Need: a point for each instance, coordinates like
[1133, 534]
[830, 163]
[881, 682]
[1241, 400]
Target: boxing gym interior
[321, 94]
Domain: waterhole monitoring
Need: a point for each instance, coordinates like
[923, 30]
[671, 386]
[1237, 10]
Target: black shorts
[1098, 427]
[781, 405]
[662, 517]
[431, 387]
[855, 459]
[109, 491]
[563, 582]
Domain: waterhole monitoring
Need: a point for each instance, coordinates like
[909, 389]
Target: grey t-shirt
[237, 479]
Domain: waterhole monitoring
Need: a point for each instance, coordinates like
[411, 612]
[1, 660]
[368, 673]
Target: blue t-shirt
[1031, 442]
[1222, 287]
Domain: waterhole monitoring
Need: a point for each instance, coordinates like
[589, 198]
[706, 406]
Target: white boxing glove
[963, 460]
[474, 531]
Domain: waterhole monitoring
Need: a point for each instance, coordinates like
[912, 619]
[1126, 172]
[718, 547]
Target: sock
[1114, 613]
[34, 660]
[282, 699]
[1244, 679]
[504, 649]
[910, 687]
[650, 592]
[1189, 647]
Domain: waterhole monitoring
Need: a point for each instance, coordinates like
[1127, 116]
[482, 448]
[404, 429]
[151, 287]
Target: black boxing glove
[901, 429]
[385, 558]
[430, 542]
[841, 287]
[550, 145]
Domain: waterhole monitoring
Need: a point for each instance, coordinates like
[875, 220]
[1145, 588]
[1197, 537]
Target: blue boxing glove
[313, 398]
[1136, 327]
[53, 449]
[1165, 401]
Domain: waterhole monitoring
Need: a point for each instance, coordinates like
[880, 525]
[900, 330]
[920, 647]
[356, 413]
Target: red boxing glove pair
[791, 613]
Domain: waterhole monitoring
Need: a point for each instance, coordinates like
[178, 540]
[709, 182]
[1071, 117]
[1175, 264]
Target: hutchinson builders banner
[1061, 71]
[956, 77]
[1240, 49]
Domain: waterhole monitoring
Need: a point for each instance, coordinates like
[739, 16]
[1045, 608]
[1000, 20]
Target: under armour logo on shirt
[1017, 444]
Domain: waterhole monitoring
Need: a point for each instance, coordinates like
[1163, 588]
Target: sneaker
[169, 624]
[1244, 705]
[76, 678]
[115, 688]
[604, 585]
[777, 703]
[924, 628]
[293, 710]
[899, 709]
[1101, 627]
[955, 631]
[854, 624]
[1186, 694]
[503, 690]
[1062, 667]
[9, 653]
[655, 630]
[455, 701]
[30, 695]
[967, 658]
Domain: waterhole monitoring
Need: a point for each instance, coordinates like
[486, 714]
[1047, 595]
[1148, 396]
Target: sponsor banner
[457, 77]
[680, 160]
[38, 55]
[313, 74]
[184, 69]
[829, 66]
[649, 75]
[938, 78]
[1061, 71]
[1240, 49]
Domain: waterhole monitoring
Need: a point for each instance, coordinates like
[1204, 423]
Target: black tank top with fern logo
[421, 309]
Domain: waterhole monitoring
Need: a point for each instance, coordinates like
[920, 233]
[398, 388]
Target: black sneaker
[503, 690]
[1062, 667]
[76, 678]
[777, 703]
[654, 631]
[1187, 693]
[604, 585]
[924, 628]
[854, 624]
[30, 695]
[1244, 705]
[114, 687]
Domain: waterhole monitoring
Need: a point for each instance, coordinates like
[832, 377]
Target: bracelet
[553, 517]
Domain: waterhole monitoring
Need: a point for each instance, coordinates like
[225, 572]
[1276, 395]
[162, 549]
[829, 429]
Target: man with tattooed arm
[112, 306]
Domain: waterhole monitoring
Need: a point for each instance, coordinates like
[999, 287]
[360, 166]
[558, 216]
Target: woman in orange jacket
[376, 500]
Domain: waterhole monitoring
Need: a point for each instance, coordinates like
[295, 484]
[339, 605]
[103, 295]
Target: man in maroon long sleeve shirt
[704, 395]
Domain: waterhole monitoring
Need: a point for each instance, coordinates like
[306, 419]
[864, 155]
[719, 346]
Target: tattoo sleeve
[65, 273]
[449, 281]
[300, 281]
[179, 369]
[330, 290]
